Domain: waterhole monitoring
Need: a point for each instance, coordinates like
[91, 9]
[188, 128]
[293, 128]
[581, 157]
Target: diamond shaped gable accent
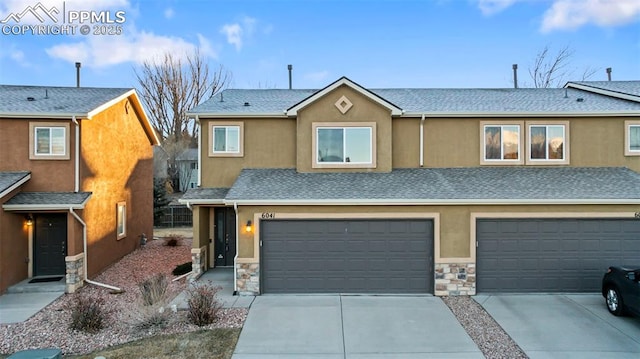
[343, 104]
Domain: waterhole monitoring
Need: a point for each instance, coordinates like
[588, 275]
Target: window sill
[340, 165]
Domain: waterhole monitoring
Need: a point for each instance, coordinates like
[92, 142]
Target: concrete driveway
[564, 326]
[352, 327]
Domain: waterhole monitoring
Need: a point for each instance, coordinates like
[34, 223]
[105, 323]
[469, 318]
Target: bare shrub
[154, 289]
[173, 240]
[87, 314]
[150, 318]
[203, 306]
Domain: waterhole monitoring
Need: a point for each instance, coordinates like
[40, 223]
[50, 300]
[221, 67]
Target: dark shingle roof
[49, 198]
[623, 87]
[205, 193]
[441, 184]
[54, 100]
[442, 101]
[8, 179]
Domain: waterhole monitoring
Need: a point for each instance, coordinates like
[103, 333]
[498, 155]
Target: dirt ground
[187, 232]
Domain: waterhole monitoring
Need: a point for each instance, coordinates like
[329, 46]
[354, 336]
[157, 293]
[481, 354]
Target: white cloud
[237, 32]
[571, 14]
[137, 47]
[490, 7]
[169, 13]
[318, 76]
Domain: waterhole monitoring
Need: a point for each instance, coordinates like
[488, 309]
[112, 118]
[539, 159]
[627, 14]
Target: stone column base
[75, 272]
[248, 278]
[198, 256]
[455, 279]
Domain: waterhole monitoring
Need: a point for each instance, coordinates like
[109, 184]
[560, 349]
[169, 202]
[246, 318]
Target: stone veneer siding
[455, 279]
[198, 256]
[75, 272]
[248, 278]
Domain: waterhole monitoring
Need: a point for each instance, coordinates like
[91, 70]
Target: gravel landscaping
[50, 327]
[488, 335]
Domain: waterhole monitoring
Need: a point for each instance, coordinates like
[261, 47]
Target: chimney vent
[609, 73]
[515, 76]
[78, 65]
[290, 68]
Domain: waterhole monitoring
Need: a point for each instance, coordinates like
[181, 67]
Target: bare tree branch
[551, 70]
[169, 88]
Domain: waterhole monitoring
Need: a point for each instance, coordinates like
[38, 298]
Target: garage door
[552, 255]
[347, 256]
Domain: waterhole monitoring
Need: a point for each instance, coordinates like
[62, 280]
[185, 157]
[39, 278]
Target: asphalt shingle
[49, 198]
[15, 100]
[440, 101]
[624, 87]
[217, 193]
[478, 183]
[8, 179]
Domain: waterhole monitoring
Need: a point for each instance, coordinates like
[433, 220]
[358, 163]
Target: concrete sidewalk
[564, 326]
[222, 277]
[18, 307]
[336, 326]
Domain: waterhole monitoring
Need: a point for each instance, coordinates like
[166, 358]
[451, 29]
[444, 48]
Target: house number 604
[268, 215]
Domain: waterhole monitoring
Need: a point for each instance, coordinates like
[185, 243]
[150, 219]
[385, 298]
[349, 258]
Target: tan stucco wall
[454, 221]
[46, 175]
[363, 110]
[116, 165]
[268, 143]
[14, 246]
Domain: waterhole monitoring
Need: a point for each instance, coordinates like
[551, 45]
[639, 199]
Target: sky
[378, 44]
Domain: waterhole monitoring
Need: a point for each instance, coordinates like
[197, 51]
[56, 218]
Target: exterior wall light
[248, 227]
[29, 220]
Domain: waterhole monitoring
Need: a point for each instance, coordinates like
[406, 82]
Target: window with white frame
[502, 143]
[121, 220]
[632, 138]
[49, 140]
[547, 143]
[225, 139]
[344, 145]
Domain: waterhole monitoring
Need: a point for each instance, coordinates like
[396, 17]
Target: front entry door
[225, 236]
[49, 244]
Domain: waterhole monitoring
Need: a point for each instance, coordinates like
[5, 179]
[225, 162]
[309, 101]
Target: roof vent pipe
[515, 76]
[290, 67]
[78, 64]
[609, 73]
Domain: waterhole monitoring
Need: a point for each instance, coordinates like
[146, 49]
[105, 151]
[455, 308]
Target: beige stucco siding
[363, 110]
[454, 222]
[268, 143]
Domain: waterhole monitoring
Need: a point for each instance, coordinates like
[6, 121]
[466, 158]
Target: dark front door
[50, 244]
[225, 236]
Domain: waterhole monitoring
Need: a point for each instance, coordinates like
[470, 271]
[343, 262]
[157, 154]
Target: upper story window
[49, 140]
[344, 145]
[632, 138]
[226, 139]
[548, 143]
[501, 143]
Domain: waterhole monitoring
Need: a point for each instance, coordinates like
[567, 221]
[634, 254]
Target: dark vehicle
[621, 290]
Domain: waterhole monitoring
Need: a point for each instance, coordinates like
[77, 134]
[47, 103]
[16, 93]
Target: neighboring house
[76, 186]
[160, 163]
[187, 163]
[445, 191]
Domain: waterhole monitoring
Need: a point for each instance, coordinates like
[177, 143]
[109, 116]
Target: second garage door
[347, 256]
[552, 255]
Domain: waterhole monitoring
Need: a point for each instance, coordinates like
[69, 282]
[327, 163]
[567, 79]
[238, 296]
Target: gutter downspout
[84, 242]
[77, 155]
[199, 151]
[422, 141]
[235, 258]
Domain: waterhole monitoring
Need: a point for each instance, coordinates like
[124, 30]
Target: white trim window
[226, 139]
[547, 143]
[121, 220]
[49, 141]
[632, 138]
[502, 143]
[344, 145]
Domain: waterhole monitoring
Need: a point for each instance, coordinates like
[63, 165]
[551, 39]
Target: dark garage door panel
[347, 256]
[552, 255]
